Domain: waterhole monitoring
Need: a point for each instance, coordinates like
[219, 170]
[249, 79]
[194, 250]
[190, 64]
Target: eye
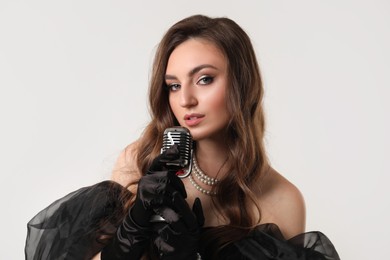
[205, 80]
[173, 87]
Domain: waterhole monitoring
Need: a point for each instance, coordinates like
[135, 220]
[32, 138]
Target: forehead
[194, 52]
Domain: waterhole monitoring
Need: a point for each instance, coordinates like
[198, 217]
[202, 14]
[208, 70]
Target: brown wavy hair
[247, 160]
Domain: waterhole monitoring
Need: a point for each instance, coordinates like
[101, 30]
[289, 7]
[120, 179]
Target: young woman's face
[196, 76]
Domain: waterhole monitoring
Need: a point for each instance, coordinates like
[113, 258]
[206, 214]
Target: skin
[197, 78]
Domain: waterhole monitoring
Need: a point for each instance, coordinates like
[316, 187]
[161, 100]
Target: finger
[182, 208]
[162, 246]
[167, 213]
[156, 165]
[177, 183]
[158, 189]
[165, 232]
[172, 153]
[153, 184]
[178, 214]
[159, 163]
[198, 211]
[158, 183]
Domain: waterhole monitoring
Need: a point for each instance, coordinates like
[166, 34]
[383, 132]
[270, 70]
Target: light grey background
[74, 76]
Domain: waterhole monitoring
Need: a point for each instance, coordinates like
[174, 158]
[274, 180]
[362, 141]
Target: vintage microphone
[182, 138]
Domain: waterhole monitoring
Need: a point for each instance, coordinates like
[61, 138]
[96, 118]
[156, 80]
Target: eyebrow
[193, 71]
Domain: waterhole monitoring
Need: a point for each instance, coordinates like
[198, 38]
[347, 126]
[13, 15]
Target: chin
[203, 135]
[196, 135]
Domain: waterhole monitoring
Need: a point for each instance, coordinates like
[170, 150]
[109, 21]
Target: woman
[206, 78]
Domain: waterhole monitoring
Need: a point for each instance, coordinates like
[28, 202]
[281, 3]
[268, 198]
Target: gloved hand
[156, 189]
[178, 237]
[155, 192]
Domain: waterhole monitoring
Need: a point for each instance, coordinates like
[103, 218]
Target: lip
[193, 119]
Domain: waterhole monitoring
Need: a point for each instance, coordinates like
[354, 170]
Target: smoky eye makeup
[172, 86]
[205, 80]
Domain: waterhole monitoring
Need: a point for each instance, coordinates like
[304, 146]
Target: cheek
[218, 102]
[173, 105]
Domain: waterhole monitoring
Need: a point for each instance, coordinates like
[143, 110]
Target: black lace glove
[178, 237]
[155, 189]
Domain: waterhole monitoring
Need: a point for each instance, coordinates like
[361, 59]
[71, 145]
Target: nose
[188, 96]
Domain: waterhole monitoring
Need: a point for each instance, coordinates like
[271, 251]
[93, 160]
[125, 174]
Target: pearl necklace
[201, 176]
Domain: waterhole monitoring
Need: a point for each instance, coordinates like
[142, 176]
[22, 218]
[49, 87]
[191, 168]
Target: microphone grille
[182, 137]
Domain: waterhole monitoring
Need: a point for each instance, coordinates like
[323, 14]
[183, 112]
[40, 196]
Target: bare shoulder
[126, 170]
[284, 204]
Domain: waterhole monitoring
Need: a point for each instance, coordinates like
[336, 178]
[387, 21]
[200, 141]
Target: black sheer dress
[80, 224]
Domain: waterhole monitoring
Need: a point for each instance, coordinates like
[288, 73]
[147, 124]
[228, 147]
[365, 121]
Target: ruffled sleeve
[266, 242]
[78, 225]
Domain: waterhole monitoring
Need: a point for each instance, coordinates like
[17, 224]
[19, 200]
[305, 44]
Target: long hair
[247, 158]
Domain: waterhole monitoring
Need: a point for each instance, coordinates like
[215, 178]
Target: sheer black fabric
[266, 242]
[80, 224]
[74, 227]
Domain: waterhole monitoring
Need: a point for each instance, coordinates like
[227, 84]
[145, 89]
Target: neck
[211, 157]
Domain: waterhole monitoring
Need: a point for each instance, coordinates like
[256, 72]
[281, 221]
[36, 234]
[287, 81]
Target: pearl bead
[204, 191]
[202, 177]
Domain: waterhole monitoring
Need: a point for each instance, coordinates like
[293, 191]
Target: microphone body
[182, 138]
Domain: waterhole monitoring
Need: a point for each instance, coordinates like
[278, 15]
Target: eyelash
[209, 79]
[172, 86]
